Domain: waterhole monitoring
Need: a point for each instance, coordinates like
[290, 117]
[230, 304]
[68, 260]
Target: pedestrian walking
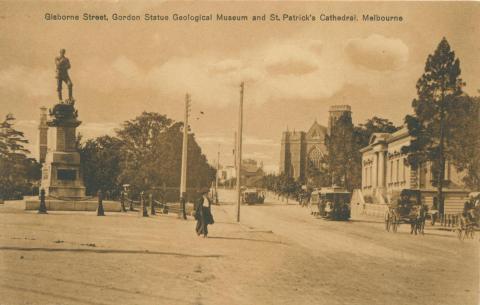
[203, 213]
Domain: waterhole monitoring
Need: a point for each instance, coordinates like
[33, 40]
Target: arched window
[315, 157]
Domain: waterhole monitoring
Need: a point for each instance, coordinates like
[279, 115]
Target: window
[398, 170]
[404, 171]
[364, 176]
[315, 157]
[391, 171]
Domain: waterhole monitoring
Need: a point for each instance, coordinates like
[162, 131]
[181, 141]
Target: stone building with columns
[300, 149]
[385, 171]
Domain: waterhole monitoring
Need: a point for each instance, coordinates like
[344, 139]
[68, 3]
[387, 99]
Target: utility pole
[239, 152]
[216, 177]
[183, 179]
[234, 157]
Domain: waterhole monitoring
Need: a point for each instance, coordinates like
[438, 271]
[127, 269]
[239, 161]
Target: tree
[433, 123]
[287, 186]
[342, 164]
[140, 150]
[152, 150]
[343, 159]
[318, 177]
[363, 132]
[17, 170]
[465, 146]
[101, 164]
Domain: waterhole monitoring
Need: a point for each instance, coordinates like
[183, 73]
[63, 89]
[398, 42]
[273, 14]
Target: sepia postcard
[239, 152]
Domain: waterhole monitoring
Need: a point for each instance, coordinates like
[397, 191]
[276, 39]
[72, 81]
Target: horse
[417, 217]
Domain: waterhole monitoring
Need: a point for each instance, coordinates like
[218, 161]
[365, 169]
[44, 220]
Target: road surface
[278, 254]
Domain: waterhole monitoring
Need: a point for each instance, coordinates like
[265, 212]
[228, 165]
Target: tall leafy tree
[342, 165]
[17, 170]
[148, 152]
[435, 118]
[141, 139]
[101, 163]
[364, 131]
[343, 159]
[318, 177]
[465, 145]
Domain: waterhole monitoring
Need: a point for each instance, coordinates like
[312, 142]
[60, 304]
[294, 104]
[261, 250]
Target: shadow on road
[54, 295]
[365, 221]
[97, 285]
[107, 251]
[247, 239]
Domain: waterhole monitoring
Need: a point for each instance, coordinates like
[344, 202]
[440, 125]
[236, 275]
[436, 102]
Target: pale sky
[293, 71]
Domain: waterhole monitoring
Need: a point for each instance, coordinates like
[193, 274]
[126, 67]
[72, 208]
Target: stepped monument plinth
[61, 172]
[62, 178]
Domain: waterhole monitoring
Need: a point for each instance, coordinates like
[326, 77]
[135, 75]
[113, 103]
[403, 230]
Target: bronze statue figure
[63, 64]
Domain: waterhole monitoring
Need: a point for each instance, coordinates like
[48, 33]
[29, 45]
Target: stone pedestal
[61, 172]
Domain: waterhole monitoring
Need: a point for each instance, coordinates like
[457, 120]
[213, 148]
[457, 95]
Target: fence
[160, 206]
[368, 209]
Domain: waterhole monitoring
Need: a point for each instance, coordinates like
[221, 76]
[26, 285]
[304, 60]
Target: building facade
[385, 172]
[300, 149]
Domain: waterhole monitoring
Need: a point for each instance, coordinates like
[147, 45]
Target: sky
[293, 71]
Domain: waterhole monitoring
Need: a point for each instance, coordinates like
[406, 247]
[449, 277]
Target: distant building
[226, 173]
[301, 149]
[252, 174]
[385, 171]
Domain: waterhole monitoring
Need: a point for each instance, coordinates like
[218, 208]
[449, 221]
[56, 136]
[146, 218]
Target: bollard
[131, 203]
[42, 209]
[122, 201]
[182, 213]
[163, 199]
[100, 211]
[143, 209]
[152, 204]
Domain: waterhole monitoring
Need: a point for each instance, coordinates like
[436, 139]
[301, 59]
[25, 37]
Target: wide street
[278, 254]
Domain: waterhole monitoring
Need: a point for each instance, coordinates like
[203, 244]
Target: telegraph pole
[183, 179]
[239, 152]
[234, 157]
[216, 177]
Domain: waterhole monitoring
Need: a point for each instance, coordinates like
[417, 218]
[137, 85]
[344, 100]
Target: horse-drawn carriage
[406, 207]
[330, 203]
[470, 218]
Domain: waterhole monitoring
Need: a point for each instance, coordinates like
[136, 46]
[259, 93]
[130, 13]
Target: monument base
[73, 205]
[61, 176]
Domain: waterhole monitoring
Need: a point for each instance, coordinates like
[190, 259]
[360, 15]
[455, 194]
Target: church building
[300, 149]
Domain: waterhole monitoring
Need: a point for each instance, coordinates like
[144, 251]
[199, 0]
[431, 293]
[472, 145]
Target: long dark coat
[204, 216]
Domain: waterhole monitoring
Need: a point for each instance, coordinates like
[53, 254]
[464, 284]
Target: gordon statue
[63, 64]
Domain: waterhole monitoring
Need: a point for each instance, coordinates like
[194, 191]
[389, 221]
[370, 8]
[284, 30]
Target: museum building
[385, 171]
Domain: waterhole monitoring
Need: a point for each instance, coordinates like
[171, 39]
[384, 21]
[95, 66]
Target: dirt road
[278, 254]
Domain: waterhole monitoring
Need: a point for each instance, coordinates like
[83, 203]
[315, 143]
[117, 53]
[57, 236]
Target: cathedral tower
[335, 112]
